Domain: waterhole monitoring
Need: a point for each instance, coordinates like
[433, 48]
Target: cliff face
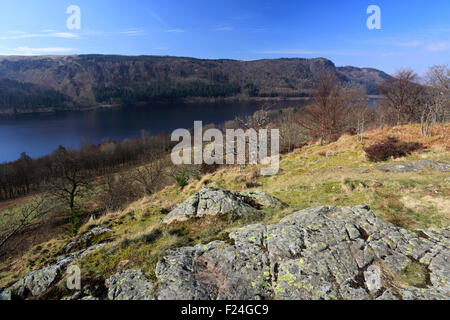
[87, 80]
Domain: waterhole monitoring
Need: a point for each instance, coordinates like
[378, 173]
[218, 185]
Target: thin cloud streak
[223, 28]
[175, 31]
[132, 32]
[41, 35]
[313, 52]
[27, 51]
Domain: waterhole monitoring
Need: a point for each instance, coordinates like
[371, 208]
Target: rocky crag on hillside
[212, 201]
[318, 253]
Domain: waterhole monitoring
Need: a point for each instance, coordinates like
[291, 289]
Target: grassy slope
[314, 175]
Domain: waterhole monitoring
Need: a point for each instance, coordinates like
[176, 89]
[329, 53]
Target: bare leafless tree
[151, 176]
[119, 189]
[403, 95]
[18, 219]
[437, 103]
[72, 180]
[326, 117]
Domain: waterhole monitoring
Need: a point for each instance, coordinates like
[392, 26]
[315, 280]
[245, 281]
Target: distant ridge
[36, 83]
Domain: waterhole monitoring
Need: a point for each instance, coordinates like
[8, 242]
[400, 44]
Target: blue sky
[415, 33]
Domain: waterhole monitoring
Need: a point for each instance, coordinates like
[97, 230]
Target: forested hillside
[31, 83]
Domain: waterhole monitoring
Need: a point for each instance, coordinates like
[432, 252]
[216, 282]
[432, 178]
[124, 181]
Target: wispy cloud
[132, 32]
[223, 28]
[313, 52]
[258, 30]
[155, 16]
[438, 46]
[24, 35]
[175, 30]
[29, 51]
[410, 44]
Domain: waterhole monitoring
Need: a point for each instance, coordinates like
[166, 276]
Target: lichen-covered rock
[318, 253]
[415, 166]
[441, 166]
[260, 199]
[85, 239]
[214, 271]
[209, 201]
[129, 285]
[38, 281]
[5, 294]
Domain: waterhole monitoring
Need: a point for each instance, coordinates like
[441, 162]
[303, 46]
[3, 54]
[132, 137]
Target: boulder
[261, 199]
[209, 201]
[129, 285]
[38, 281]
[84, 240]
[317, 253]
[5, 294]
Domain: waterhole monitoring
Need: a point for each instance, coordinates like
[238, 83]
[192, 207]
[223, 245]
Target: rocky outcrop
[209, 201]
[5, 294]
[415, 166]
[260, 199]
[85, 240]
[38, 281]
[318, 253]
[129, 285]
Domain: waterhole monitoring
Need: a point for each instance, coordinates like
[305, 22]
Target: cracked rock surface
[209, 201]
[38, 281]
[260, 199]
[5, 294]
[415, 166]
[129, 285]
[317, 253]
[85, 239]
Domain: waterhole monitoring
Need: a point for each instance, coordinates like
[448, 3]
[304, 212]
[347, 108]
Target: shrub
[76, 221]
[182, 179]
[118, 191]
[351, 132]
[391, 147]
[208, 168]
[152, 236]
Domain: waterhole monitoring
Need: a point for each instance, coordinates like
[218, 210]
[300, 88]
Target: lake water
[38, 135]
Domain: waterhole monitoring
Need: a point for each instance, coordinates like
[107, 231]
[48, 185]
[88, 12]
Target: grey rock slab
[38, 281]
[5, 294]
[129, 285]
[260, 198]
[415, 166]
[209, 201]
[317, 253]
[85, 239]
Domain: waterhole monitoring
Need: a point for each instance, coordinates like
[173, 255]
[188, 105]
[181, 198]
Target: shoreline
[5, 115]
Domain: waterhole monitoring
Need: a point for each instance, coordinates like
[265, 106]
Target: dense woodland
[158, 90]
[17, 95]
